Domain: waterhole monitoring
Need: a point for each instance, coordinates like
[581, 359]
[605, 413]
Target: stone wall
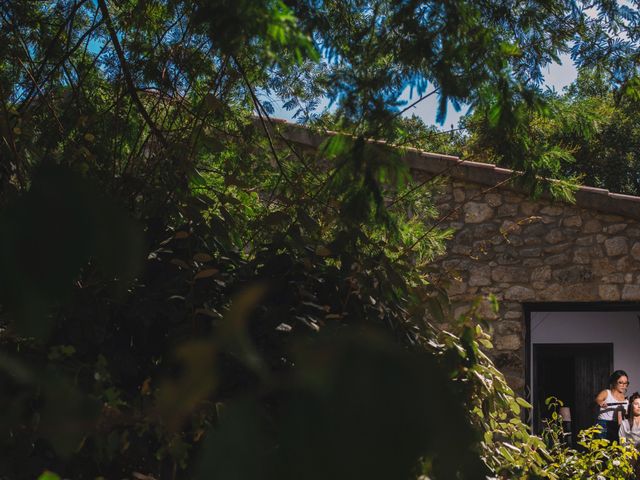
[525, 250]
[519, 249]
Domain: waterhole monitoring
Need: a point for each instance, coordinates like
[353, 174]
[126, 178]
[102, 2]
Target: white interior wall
[620, 328]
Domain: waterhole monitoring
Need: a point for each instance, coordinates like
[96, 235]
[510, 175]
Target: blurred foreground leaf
[49, 234]
[357, 407]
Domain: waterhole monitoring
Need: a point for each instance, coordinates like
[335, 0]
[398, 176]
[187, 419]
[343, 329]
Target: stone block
[535, 230]
[583, 255]
[532, 262]
[507, 258]
[631, 292]
[552, 292]
[603, 266]
[519, 293]
[515, 306]
[508, 327]
[509, 227]
[513, 315]
[461, 249]
[480, 276]
[584, 241]
[493, 199]
[578, 292]
[509, 274]
[529, 208]
[609, 293]
[616, 246]
[532, 241]
[484, 231]
[458, 195]
[558, 259]
[531, 252]
[507, 342]
[541, 274]
[514, 240]
[485, 310]
[561, 247]
[442, 197]
[475, 212]
[552, 210]
[626, 264]
[492, 290]
[572, 221]
[512, 197]
[613, 278]
[573, 274]
[615, 228]
[592, 226]
[454, 264]
[464, 237]
[481, 248]
[507, 210]
[554, 236]
[457, 288]
[635, 250]
[571, 233]
[612, 218]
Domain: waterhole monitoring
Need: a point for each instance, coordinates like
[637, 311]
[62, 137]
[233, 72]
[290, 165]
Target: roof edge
[486, 174]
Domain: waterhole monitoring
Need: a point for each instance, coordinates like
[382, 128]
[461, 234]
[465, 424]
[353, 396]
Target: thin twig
[423, 97]
[457, 209]
[127, 75]
[44, 97]
[424, 182]
[257, 105]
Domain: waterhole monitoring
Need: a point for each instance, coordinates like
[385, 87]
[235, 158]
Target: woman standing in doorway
[613, 404]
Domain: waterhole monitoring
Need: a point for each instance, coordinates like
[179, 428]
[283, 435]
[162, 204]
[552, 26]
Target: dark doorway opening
[573, 373]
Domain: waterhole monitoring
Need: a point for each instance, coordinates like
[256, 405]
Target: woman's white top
[630, 432]
[607, 412]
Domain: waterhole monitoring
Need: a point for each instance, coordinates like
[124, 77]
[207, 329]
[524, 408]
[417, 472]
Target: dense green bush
[592, 457]
[186, 294]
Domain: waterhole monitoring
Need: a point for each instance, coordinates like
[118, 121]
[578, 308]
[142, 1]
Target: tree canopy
[185, 293]
[594, 125]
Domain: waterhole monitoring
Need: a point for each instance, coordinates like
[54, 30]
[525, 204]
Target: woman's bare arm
[601, 399]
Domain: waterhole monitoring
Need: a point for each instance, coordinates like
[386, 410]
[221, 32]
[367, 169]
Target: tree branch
[131, 88]
[457, 209]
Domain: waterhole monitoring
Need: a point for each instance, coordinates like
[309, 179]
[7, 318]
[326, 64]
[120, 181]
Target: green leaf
[47, 475]
[335, 146]
[523, 403]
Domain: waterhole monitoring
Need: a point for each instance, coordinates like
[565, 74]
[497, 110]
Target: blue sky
[557, 76]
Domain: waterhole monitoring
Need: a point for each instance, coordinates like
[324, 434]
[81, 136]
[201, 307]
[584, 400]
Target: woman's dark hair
[630, 407]
[615, 376]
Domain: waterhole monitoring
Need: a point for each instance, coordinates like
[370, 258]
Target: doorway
[576, 341]
[573, 373]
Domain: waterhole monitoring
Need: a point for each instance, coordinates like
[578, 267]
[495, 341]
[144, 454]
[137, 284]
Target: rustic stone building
[567, 276]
